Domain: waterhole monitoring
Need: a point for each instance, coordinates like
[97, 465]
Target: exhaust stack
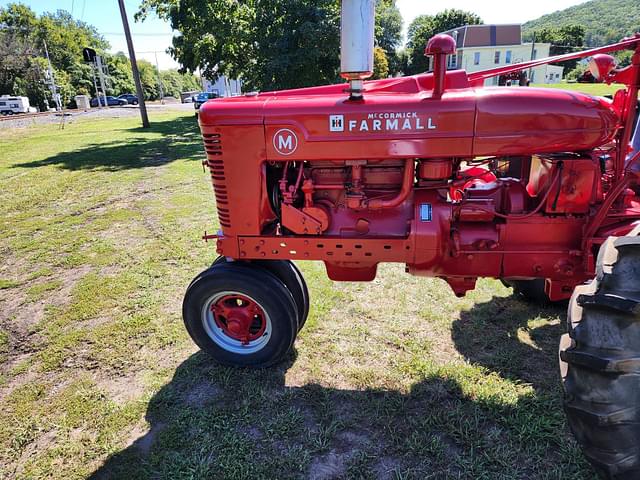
[356, 43]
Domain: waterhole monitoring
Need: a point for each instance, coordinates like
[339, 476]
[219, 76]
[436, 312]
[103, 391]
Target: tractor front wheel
[600, 361]
[241, 316]
[288, 274]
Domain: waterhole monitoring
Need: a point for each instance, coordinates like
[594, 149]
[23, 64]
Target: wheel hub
[239, 317]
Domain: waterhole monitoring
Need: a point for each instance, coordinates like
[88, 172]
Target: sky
[153, 36]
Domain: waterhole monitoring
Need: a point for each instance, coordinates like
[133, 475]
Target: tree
[23, 66]
[120, 75]
[15, 59]
[604, 21]
[565, 39]
[380, 63]
[149, 80]
[388, 32]
[22, 63]
[174, 82]
[66, 38]
[424, 27]
[269, 44]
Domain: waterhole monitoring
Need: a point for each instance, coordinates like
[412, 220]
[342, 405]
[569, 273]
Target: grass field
[599, 89]
[99, 236]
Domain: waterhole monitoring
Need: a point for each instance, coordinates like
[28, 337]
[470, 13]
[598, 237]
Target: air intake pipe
[357, 23]
[440, 46]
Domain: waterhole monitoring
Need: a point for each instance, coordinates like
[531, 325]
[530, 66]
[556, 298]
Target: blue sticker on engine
[425, 212]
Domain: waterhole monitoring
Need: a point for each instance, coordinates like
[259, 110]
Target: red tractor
[537, 187]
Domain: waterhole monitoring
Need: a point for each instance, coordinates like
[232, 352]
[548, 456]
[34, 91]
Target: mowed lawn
[598, 89]
[100, 232]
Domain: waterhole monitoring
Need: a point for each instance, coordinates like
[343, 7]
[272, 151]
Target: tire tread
[600, 361]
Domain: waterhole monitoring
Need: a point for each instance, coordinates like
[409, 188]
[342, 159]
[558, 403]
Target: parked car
[111, 101]
[130, 98]
[187, 97]
[202, 97]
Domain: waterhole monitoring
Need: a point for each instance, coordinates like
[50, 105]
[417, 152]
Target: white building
[482, 47]
[224, 86]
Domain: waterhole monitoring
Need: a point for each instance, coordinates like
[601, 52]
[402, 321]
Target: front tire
[240, 316]
[600, 361]
[288, 274]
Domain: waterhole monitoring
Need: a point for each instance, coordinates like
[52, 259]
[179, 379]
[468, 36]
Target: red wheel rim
[239, 317]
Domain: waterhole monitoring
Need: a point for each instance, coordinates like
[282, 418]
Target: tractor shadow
[515, 338]
[215, 422]
[164, 142]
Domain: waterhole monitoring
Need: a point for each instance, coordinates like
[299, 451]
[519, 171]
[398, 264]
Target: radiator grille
[213, 147]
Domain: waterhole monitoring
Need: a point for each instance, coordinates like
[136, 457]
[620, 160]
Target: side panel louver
[213, 148]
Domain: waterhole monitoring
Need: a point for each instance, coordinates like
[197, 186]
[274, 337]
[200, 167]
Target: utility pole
[159, 79]
[99, 67]
[134, 66]
[533, 50]
[52, 80]
[95, 84]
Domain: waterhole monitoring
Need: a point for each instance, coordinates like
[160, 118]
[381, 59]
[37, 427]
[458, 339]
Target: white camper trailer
[10, 105]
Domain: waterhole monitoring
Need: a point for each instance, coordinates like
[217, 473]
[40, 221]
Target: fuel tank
[399, 118]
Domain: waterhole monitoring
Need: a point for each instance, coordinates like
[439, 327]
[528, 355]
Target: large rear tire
[600, 361]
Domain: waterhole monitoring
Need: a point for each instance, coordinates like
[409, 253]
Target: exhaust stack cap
[440, 44]
[356, 42]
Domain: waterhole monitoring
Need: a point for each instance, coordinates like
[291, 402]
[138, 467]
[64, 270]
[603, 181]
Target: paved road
[71, 115]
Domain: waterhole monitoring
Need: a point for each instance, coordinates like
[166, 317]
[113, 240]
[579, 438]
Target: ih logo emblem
[336, 123]
[285, 141]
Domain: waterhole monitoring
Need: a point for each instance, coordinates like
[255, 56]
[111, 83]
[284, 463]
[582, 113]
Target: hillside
[605, 21]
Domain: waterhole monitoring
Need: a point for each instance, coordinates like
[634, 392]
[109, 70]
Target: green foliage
[573, 75]
[424, 27]
[564, 39]
[388, 32]
[29, 83]
[120, 75]
[149, 79]
[66, 38]
[380, 64]
[624, 58]
[22, 63]
[174, 83]
[604, 21]
[268, 44]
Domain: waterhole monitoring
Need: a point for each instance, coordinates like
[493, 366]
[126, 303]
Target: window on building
[496, 57]
[508, 56]
[453, 61]
[557, 75]
[476, 58]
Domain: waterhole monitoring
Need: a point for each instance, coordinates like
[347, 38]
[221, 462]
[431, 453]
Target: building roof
[486, 35]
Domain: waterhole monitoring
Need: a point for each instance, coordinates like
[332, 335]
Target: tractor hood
[400, 118]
